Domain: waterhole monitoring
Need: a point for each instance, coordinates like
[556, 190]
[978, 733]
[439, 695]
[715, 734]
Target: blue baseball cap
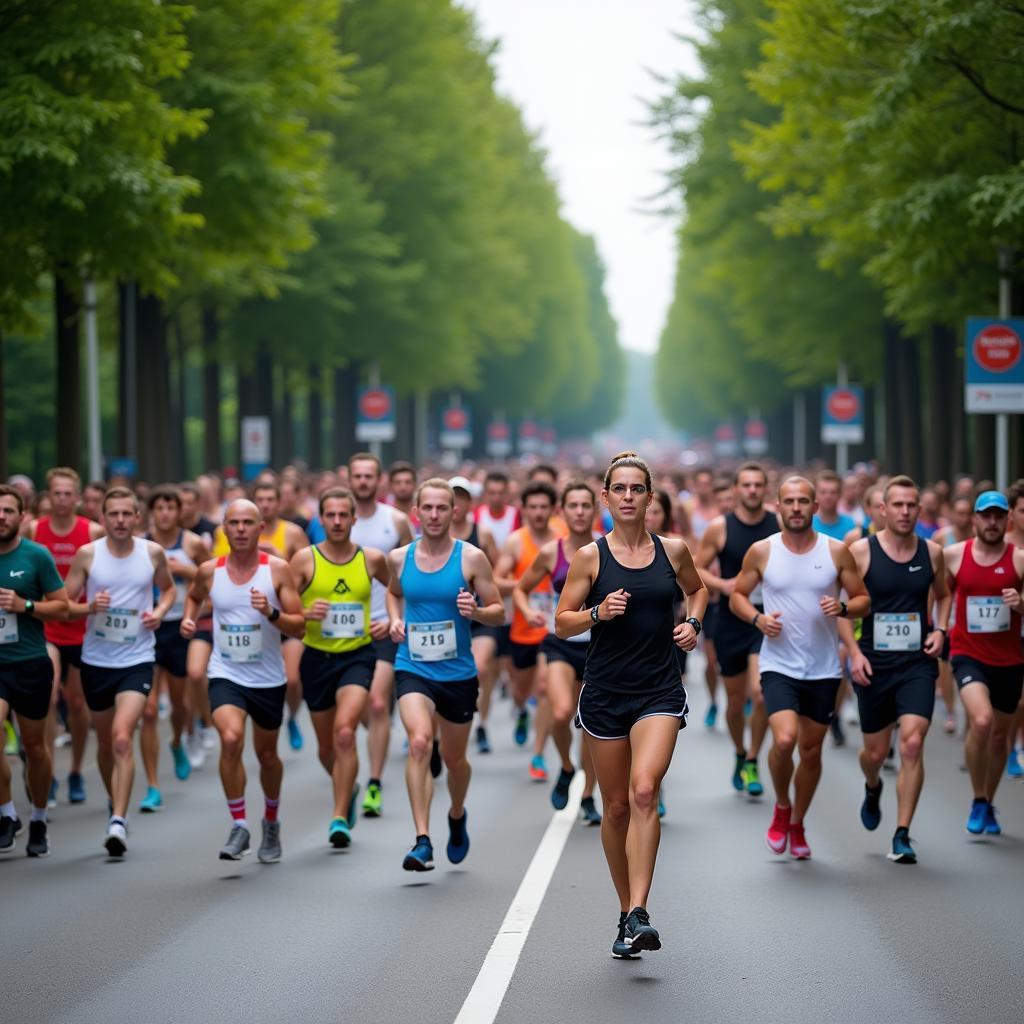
[991, 499]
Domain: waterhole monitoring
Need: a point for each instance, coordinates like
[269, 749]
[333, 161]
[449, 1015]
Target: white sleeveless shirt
[501, 527]
[808, 647]
[246, 646]
[380, 532]
[116, 638]
[178, 553]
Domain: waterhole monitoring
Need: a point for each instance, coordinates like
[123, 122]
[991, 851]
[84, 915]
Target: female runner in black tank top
[624, 587]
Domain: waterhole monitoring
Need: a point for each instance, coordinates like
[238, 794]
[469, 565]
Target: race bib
[432, 641]
[897, 632]
[240, 643]
[8, 628]
[543, 601]
[987, 615]
[345, 620]
[117, 625]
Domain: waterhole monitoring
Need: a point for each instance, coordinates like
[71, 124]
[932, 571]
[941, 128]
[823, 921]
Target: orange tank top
[541, 597]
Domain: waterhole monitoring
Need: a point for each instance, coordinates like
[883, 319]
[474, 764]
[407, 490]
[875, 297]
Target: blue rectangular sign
[842, 414]
[994, 373]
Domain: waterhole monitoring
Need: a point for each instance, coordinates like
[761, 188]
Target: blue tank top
[437, 638]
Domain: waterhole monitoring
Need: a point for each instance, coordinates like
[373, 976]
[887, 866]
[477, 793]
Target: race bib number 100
[432, 641]
[345, 620]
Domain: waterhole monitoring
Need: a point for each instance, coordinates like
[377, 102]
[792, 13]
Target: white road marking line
[485, 997]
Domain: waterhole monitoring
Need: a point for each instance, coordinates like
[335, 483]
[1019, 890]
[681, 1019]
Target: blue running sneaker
[978, 817]
[522, 732]
[483, 744]
[620, 951]
[420, 857]
[458, 838]
[661, 803]
[538, 768]
[51, 799]
[748, 708]
[339, 835]
[294, 734]
[711, 716]
[591, 815]
[871, 808]
[738, 782]
[992, 826]
[182, 765]
[353, 807]
[560, 794]
[152, 801]
[752, 778]
[1013, 765]
[902, 851]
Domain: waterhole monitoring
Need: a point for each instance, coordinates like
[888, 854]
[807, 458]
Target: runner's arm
[490, 611]
[394, 598]
[197, 594]
[751, 573]
[163, 581]
[292, 621]
[53, 608]
[710, 548]
[571, 618]
[506, 565]
[532, 578]
[74, 582]
[859, 602]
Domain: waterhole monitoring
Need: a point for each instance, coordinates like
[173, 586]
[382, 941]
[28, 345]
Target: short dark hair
[535, 487]
[1015, 493]
[119, 492]
[543, 467]
[401, 466]
[163, 492]
[364, 457]
[6, 490]
[496, 476]
[188, 488]
[750, 467]
[578, 485]
[827, 476]
[266, 485]
[337, 492]
[900, 481]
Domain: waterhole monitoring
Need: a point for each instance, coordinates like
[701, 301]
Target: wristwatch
[697, 627]
[842, 609]
[595, 613]
[275, 614]
[30, 607]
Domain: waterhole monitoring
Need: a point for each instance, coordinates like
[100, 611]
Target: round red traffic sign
[725, 433]
[528, 428]
[455, 418]
[997, 348]
[843, 405]
[498, 431]
[756, 428]
[375, 403]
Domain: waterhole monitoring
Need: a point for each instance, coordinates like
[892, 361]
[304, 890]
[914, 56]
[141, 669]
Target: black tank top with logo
[897, 590]
[740, 537]
[635, 652]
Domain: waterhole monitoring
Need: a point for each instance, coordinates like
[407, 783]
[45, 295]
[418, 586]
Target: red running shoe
[798, 848]
[778, 831]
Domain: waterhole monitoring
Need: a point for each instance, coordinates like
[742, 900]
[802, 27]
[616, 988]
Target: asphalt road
[172, 934]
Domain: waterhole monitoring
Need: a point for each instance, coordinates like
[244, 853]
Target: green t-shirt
[30, 571]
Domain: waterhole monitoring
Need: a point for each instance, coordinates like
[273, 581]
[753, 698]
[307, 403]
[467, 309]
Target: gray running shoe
[237, 845]
[270, 848]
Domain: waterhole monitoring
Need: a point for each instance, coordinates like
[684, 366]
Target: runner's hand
[466, 603]
[188, 628]
[380, 628]
[860, 668]
[397, 630]
[685, 636]
[831, 607]
[614, 605]
[7, 599]
[536, 619]
[1012, 598]
[317, 611]
[769, 623]
[101, 602]
[933, 643]
[150, 620]
[259, 601]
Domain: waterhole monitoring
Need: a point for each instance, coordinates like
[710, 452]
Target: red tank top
[974, 583]
[63, 548]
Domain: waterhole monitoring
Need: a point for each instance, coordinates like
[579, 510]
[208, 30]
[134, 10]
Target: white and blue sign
[255, 445]
[122, 465]
[375, 414]
[842, 414]
[994, 373]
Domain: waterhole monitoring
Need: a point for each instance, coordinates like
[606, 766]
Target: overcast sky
[580, 71]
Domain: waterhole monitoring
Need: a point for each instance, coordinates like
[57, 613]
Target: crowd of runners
[366, 593]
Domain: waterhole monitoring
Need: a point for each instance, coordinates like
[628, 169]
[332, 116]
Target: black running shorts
[27, 687]
[574, 654]
[809, 698]
[323, 673]
[607, 715]
[102, 685]
[263, 704]
[1004, 682]
[455, 701]
[905, 691]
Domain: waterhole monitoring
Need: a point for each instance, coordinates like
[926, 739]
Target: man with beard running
[728, 538]
[801, 572]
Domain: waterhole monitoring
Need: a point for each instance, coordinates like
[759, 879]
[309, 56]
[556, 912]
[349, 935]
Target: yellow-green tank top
[346, 588]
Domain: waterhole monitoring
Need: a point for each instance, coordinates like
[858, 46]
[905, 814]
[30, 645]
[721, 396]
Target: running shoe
[838, 736]
[978, 817]
[639, 932]
[420, 857]
[538, 768]
[196, 751]
[711, 716]
[237, 845]
[458, 838]
[10, 740]
[560, 794]
[76, 788]
[9, 828]
[116, 840]
[372, 801]
[353, 807]
[51, 798]
[620, 951]
[902, 851]
[950, 724]
[778, 831]
[871, 808]
[209, 737]
[339, 835]
[182, 765]
[752, 778]
[152, 801]
[1013, 765]
[737, 773]
[992, 826]
[38, 844]
[483, 744]
[294, 734]
[522, 731]
[889, 764]
[270, 846]
[591, 815]
[435, 760]
[748, 707]
[798, 848]
[662, 811]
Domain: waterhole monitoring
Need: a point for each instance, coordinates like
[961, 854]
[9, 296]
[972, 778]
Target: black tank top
[635, 652]
[896, 588]
[739, 538]
[474, 537]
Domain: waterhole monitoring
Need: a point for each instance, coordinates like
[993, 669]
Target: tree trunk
[247, 406]
[937, 445]
[315, 418]
[343, 428]
[816, 449]
[983, 459]
[69, 375]
[892, 459]
[4, 468]
[179, 406]
[153, 389]
[910, 402]
[213, 451]
[287, 419]
[127, 356]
